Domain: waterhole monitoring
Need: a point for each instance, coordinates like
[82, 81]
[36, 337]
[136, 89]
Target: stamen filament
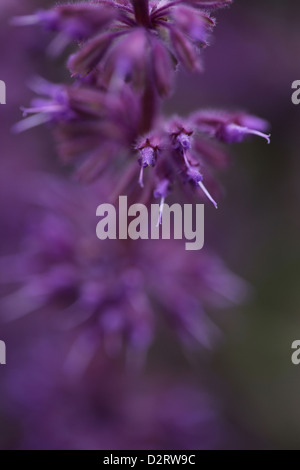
[30, 122]
[186, 160]
[161, 208]
[260, 134]
[208, 194]
[141, 182]
[46, 109]
[26, 20]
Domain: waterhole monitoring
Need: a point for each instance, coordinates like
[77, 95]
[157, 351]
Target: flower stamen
[207, 194]
[161, 209]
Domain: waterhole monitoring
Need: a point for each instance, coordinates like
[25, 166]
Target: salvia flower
[105, 126]
[95, 132]
[131, 39]
[54, 105]
[111, 289]
[148, 158]
[106, 409]
[183, 152]
[230, 127]
[77, 21]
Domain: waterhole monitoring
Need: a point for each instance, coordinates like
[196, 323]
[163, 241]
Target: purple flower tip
[147, 157]
[184, 141]
[194, 175]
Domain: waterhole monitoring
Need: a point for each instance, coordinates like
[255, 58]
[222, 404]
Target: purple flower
[95, 299]
[230, 127]
[148, 158]
[77, 21]
[109, 130]
[95, 132]
[110, 289]
[48, 406]
[183, 151]
[102, 124]
[131, 39]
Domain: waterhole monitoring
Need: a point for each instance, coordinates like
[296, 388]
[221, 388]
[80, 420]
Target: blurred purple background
[245, 393]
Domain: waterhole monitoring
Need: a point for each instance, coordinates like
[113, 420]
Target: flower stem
[141, 11]
[149, 105]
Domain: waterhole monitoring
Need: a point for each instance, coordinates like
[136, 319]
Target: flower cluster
[112, 292]
[134, 40]
[108, 124]
[59, 411]
[95, 299]
[108, 121]
[94, 131]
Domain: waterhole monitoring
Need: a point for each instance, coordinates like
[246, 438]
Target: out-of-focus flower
[106, 409]
[131, 39]
[109, 293]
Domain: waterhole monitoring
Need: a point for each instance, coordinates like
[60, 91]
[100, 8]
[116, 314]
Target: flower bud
[87, 58]
[185, 51]
[195, 24]
[162, 67]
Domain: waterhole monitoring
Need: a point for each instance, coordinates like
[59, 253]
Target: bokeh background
[245, 393]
